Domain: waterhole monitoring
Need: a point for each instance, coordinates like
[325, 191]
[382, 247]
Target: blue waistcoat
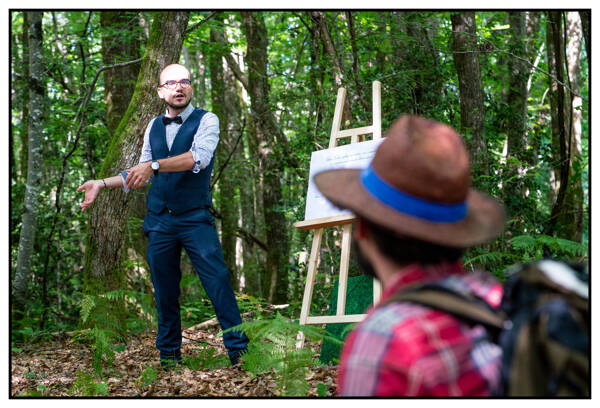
[184, 190]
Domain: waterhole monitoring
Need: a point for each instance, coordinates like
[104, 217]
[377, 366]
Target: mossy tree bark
[107, 229]
[122, 43]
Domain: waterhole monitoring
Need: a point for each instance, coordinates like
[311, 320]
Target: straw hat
[418, 184]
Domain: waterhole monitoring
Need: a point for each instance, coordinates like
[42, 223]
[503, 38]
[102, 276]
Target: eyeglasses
[172, 84]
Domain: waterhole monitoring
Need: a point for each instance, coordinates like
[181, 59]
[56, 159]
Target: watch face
[155, 165]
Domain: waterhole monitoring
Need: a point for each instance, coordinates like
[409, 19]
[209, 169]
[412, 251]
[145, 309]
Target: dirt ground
[50, 370]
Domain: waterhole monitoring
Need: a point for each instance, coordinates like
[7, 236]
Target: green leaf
[87, 305]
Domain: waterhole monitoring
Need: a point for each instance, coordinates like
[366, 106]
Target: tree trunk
[472, 115]
[573, 216]
[515, 118]
[559, 124]
[360, 93]
[569, 222]
[25, 117]
[226, 196]
[34, 170]
[109, 215]
[268, 161]
[320, 20]
[252, 213]
[120, 43]
[585, 17]
[316, 75]
[238, 166]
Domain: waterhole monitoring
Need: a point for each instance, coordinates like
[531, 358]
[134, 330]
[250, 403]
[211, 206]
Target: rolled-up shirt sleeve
[146, 148]
[205, 141]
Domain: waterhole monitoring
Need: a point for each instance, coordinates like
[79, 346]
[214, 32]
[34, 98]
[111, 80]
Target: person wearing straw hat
[416, 213]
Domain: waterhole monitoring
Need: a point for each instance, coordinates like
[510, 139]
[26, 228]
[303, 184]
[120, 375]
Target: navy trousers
[195, 232]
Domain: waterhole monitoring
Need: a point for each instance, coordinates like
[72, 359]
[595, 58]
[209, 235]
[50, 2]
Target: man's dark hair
[405, 250]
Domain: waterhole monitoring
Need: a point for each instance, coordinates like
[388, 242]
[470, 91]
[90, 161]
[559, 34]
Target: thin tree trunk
[472, 115]
[226, 201]
[575, 198]
[516, 118]
[570, 219]
[355, 65]
[316, 80]
[554, 30]
[34, 172]
[239, 167]
[320, 19]
[25, 117]
[109, 215]
[427, 87]
[251, 208]
[266, 130]
[120, 43]
[585, 17]
[200, 94]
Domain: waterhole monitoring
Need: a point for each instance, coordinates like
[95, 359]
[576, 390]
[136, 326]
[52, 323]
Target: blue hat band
[405, 203]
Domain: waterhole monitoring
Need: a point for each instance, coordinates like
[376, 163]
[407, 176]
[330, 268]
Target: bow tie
[176, 119]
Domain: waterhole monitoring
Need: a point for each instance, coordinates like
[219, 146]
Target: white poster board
[350, 156]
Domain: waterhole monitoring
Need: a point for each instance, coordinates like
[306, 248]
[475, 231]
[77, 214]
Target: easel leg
[344, 262]
[377, 289]
[310, 282]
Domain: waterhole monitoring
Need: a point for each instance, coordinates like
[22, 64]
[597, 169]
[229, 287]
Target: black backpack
[543, 326]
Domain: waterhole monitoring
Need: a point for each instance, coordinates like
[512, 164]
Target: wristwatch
[155, 166]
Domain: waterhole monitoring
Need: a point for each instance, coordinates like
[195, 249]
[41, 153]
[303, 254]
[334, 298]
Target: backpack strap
[463, 306]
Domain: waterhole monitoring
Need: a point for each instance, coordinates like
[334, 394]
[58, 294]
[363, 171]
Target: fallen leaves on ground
[50, 369]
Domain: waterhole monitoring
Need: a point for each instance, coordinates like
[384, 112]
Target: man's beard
[183, 105]
[363, 262]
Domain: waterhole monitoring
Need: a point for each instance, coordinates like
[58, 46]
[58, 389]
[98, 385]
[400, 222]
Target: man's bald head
[177, 96]
[174, 71]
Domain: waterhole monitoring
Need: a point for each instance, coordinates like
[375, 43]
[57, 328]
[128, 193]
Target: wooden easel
[356, 135]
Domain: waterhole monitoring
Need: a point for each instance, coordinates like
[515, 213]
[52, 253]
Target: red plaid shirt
[405, 349]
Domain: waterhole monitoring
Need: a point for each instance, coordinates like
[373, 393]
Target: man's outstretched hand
[92, 188]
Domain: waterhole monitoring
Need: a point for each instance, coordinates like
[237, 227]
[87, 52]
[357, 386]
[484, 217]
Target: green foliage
[102, 334]
[272, 348]
[87, 305]
[148, 377]
[533, 247]
[206, 359]
[521, 249]
[102, 346]
[86, 385]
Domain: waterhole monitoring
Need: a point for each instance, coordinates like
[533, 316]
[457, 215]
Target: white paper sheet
[350, 156]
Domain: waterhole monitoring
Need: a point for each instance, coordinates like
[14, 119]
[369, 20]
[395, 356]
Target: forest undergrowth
[62, 368]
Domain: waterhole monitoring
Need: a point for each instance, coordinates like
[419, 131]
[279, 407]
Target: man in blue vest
[178, 157]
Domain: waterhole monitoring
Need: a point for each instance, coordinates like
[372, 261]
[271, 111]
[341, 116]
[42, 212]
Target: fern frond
[487, 257]
[87, 305]
[523, 242]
